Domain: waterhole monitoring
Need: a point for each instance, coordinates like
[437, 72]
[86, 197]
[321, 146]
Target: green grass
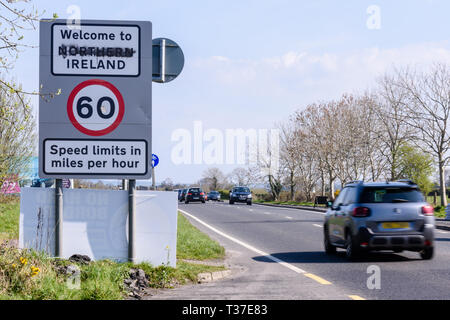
[100, 280]
[194, 244]
[439, 211]
[9, 220]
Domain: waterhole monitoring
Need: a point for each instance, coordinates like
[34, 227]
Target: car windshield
[214, 192]
[390, 195]
[194, 190]
[241, 189]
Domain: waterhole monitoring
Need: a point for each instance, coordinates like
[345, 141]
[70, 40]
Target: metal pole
[124, 184]
[153, 178]
[58, 217]
[131, 219]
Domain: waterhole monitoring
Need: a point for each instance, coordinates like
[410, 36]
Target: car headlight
[249, 196]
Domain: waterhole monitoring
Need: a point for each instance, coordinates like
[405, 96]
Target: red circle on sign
[91, 82]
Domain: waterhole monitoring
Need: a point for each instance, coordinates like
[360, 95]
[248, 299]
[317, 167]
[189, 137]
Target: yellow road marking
[356, 297]
[317, 278]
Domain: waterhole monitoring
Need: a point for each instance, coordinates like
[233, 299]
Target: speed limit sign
[95, 107]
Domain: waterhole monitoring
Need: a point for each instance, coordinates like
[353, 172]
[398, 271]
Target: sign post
[58, 216]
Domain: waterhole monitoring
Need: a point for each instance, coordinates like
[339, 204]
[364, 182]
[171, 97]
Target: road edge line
[251, 248]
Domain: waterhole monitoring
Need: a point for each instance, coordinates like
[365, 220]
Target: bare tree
[243, 176]
[213, 178]
[393, 128]
[320, 123]
[427, 110]
[309, 170]
[15, 18]
[290, 145]
[17, 136]
[270, 168]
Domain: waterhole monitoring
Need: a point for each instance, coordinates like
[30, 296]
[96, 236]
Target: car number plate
[395, 225]
[196, 198]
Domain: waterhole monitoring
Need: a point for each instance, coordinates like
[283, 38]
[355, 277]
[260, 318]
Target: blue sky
[250, 64]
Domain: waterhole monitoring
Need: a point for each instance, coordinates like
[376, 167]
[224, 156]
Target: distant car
[194, 194]
[214, 196]
[240, 194]
[379, 216]
[182, 195]
[42, 183]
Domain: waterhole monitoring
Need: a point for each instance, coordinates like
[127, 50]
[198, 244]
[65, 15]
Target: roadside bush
[224, 194]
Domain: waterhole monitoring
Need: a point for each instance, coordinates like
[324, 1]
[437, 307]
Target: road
[280, 255]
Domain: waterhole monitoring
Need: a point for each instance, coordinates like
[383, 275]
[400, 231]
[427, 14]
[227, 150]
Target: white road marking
[440, 231]
[267, 212]
[290, 218]
[250, 210]
[260, 252]
[317, 225]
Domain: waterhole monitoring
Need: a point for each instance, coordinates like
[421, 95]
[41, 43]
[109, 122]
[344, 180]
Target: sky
[251, 64]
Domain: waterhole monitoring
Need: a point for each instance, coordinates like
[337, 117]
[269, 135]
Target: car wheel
[203, 201]
[427, 253]
[231, 202]
[186, 202]
[329, 248]
[249, 203]
[351, 250]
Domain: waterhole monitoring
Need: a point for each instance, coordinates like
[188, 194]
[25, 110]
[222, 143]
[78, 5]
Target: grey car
[379, 216]
[213, 195]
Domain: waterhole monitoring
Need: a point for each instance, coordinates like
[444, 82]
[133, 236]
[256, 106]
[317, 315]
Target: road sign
[168, 60]
[99, 126]
[66, 183]
[95, 107]
[155, 160]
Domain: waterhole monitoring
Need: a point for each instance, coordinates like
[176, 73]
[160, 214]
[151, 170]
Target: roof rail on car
[408, 181]
[354, 181]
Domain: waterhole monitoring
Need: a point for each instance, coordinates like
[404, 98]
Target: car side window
[340, 198]
[350, 196]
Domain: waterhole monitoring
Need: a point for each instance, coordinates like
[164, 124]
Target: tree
[243, 176]
[393, 130]
[14, 19]
[289, 154]
[427, 110]
[17, 135]
[167, 184]
[319, 121]
[270, 168]
[417, 166]
[213, 178]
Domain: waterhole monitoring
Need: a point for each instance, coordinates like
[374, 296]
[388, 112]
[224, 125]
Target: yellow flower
[23, 261]
[34, 271]
[14, 265]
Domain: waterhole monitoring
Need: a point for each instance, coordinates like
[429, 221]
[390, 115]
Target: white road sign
[95, 107]
[100, 125]
[85, 157]
[96, 50]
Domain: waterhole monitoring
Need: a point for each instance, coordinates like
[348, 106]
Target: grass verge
[194, 244]
[27, 274]
[293, 203]
[9, 220]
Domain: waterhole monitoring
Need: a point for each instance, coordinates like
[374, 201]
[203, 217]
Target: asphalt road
[298, 268]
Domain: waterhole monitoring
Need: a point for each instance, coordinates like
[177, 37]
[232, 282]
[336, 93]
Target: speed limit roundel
[95, 107]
